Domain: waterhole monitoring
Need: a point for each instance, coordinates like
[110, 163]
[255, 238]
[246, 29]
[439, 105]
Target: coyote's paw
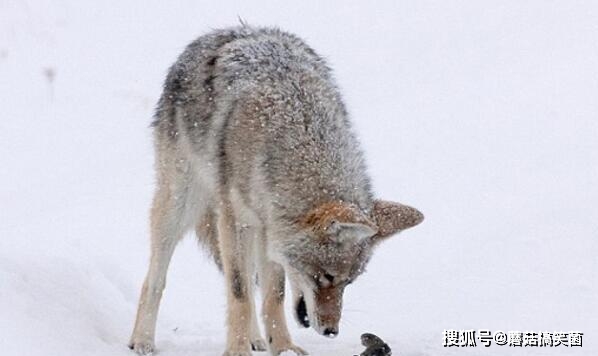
[258, 344]
[237, 353]
[278, 349]
[144, 348]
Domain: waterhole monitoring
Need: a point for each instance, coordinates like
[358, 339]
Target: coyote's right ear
[394, 217]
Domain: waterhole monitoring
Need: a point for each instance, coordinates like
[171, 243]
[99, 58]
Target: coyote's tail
[207, 234]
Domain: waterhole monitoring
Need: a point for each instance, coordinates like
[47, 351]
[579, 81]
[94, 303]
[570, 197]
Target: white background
[482, 114]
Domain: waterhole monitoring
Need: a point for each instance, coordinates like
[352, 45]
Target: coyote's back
[263, 102]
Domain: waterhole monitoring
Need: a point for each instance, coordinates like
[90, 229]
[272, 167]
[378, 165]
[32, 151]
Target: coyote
[255, 152]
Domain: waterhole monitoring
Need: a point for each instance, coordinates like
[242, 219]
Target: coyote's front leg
[166, 230]
[273, 290]
[234, 252]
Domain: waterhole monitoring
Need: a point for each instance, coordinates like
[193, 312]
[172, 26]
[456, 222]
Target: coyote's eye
[324, 280]
[329, 277]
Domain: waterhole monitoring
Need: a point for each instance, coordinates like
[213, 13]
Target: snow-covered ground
[483, 114]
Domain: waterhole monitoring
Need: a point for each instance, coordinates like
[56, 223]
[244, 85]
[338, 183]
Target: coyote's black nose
[330, 332]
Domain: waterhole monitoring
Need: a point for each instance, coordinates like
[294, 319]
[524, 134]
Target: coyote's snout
[254, 150]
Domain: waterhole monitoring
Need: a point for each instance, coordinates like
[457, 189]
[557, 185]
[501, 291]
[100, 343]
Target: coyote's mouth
[301, 311]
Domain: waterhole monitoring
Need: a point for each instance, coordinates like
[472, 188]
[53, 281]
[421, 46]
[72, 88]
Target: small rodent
[374, 346]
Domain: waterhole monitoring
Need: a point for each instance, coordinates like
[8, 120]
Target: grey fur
[271, 103]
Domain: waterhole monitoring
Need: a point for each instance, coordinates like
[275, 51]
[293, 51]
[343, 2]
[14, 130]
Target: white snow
[484, 115]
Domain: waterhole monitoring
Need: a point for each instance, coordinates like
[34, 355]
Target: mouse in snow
[374, 346]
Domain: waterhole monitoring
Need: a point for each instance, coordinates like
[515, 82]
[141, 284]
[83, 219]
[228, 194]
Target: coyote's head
[333, 244]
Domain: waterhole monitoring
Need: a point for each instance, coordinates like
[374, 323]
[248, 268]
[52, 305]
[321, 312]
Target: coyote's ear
[350, 232]
[394, 217]
[338, 221]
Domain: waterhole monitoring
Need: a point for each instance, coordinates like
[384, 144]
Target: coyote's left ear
[351, 232]
[394, 217]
